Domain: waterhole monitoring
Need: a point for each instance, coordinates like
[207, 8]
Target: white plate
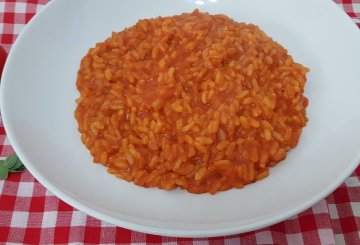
[37, 104]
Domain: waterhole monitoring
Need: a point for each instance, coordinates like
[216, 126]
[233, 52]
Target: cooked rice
[195, 101]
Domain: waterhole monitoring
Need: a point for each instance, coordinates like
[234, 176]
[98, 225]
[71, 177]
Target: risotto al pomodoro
[195, 101]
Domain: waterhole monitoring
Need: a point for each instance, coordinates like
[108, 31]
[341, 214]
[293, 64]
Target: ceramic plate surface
[38, 100]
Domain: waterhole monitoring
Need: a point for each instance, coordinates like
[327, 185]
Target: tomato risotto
[195, 101]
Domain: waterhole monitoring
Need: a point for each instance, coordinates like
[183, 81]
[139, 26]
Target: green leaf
[11, 164]
[20, 169]
[18, 164]
[3, 172]
[11, 161]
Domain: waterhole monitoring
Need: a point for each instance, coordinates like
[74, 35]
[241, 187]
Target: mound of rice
[195, 101]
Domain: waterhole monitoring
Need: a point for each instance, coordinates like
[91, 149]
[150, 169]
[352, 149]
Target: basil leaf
[11, 161]
[18, 164]
[3, 172]
[10, 165]
[17, 170]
